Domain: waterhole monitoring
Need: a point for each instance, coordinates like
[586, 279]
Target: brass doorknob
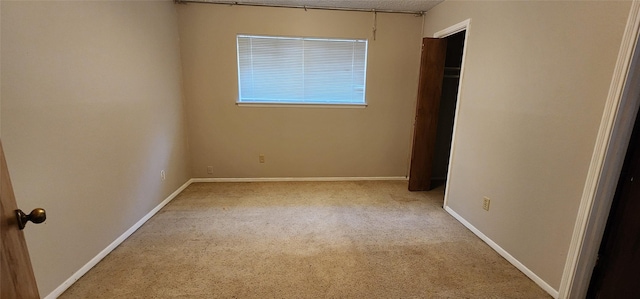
[38, 215]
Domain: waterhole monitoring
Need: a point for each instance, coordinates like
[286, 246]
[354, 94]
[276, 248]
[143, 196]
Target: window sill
[300, 105]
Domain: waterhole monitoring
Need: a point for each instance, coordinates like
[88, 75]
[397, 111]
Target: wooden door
[16, 275]
[434, 51]
[617, 272]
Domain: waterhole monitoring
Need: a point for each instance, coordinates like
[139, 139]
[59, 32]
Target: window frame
[309, 104]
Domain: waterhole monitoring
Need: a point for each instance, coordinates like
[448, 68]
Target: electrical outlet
[210, 169]
[261, 158]
[485, 203]
[163, 175]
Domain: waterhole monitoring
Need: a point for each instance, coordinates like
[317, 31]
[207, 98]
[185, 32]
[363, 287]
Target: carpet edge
[94, 261]
[539, 281]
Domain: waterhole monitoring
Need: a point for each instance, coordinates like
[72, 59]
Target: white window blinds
[289, 70]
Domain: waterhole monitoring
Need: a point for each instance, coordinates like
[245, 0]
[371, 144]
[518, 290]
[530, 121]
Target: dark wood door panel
[434, 52]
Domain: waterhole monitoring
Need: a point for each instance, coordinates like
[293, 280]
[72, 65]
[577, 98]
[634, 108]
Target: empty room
[314, 149]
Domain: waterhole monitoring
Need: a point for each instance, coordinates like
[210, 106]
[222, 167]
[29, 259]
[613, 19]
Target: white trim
[451, 30]
[606, 163]
[78, 274]
[504, 254]
[300, 105]
[306, 179]
[94, 261]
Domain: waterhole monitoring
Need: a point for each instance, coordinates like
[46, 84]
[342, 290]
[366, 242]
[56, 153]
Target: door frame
[611, 144]
[451, 30]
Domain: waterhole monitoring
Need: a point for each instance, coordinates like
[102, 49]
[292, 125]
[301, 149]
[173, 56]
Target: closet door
[434, 51]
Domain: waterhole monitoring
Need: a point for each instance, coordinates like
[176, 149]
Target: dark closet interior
[446, 114]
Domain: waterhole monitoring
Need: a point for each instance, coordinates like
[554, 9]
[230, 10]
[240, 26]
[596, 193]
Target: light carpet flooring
[304, 240]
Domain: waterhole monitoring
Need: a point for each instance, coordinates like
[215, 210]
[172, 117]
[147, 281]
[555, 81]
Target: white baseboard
[65, 285]
[82, 271]
[553, 292]
[78, 274]
[306, 179]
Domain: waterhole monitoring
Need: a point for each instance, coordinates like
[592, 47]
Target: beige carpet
[304, 240]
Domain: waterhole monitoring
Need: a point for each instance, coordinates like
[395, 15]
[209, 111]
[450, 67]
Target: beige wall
[91, 112]
[297, 142]
[535, 82]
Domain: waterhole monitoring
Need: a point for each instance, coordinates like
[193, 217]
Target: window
[297, 70]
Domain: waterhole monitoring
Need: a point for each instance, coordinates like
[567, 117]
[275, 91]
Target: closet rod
[305, 7]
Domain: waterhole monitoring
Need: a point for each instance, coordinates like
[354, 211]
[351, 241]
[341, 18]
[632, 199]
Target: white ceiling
[379, 5]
